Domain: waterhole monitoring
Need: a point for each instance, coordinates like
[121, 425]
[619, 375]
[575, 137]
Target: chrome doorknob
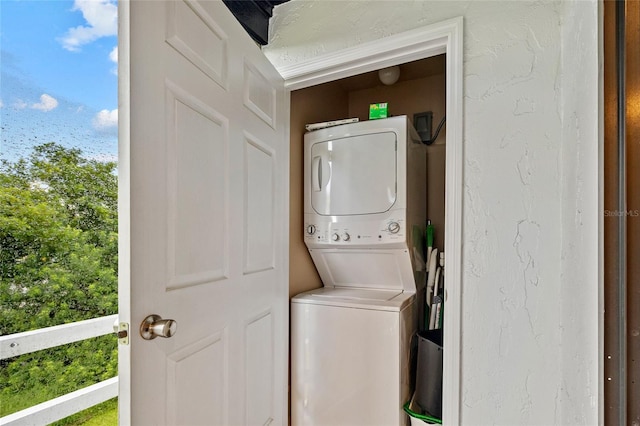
[154, 326]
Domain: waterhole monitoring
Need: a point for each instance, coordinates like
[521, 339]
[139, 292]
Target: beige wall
[316, 104]
[333, 101]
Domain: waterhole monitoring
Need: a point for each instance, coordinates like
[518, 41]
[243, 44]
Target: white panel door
[203, 219]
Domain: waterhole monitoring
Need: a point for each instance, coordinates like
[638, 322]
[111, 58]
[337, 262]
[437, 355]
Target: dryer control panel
[320, 232]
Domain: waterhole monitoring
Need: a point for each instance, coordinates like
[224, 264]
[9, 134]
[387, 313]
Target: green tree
[58, 264]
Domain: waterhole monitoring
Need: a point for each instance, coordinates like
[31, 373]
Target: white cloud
[102, 21]
[20, 104]
[47, 103]
[106, 119]
[113, 56]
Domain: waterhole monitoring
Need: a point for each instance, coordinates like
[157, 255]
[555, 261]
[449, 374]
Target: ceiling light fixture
[389, 75]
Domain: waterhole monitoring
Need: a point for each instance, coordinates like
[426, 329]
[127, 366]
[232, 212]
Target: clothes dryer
[365, 204]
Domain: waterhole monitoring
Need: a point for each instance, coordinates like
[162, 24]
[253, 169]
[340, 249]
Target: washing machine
[364, 218]
[350, 356]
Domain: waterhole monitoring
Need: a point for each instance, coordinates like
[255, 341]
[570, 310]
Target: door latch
[121, 330]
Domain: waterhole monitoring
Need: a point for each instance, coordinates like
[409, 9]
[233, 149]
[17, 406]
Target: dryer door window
[354, 175]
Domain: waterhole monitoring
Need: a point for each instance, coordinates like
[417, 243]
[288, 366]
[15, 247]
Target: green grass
[13, 402]
[104, 414]
[108, 418]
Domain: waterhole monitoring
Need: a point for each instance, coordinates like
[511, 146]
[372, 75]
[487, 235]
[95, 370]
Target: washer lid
[365, 268]
[380, 300]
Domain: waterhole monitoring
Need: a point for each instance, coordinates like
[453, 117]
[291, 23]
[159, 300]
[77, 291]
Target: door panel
[259, 368]
[202, 362]
[205, 174]
[259, 207]
[197, 144]
[259, 94]
[195, 35]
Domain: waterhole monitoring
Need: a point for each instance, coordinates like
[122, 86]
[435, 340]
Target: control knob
[311, 229]
[346, 236]
[393, 227]
[335, 237]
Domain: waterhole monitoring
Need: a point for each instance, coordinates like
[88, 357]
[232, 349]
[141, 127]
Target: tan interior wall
[316, 104]
[331, 102]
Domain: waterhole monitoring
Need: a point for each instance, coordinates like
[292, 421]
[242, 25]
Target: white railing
[56, 409]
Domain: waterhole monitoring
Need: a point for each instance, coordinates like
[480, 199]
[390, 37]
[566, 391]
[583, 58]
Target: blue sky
[59, 79]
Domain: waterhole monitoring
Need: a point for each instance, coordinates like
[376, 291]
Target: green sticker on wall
[378, 111]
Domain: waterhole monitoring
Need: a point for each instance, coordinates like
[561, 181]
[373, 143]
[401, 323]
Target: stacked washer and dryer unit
[364, 216]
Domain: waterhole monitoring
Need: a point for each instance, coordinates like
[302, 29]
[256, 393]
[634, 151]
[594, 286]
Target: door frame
[124, 215]
[420, 43]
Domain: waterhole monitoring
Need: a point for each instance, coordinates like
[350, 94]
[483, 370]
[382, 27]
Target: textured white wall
[530, 289]
[581, 316]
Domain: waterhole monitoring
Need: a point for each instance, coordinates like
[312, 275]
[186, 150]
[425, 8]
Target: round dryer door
[354, 175]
